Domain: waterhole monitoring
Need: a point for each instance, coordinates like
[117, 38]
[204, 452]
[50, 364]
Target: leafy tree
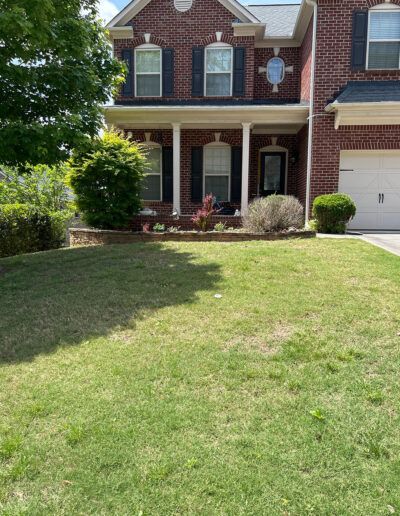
[56, 71]
[106, 176]
[41, 187]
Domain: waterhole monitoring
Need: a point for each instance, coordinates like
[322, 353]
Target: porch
[235, 152]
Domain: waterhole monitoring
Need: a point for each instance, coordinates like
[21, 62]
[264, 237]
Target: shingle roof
[280, 19]
[370, 91]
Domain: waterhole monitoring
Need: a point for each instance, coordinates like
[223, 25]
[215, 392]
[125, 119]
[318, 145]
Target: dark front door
[273, 172]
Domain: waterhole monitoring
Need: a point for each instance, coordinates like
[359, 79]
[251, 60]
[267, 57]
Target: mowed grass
[127, 388]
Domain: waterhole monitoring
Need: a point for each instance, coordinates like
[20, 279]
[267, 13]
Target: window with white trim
[148, 71]
[217, 171]
[384, 39]
[152, 182]
[218, 70]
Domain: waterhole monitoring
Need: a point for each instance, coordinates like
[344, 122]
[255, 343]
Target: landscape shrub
[203, 217]
[26, 229]
[273, 213]
[40, 186]
[106, 176]
[333, 212]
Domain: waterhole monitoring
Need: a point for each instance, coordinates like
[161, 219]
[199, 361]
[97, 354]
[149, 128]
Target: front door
[273, 172]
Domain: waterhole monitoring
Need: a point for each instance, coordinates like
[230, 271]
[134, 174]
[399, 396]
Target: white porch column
[245, 166]
[176, 148]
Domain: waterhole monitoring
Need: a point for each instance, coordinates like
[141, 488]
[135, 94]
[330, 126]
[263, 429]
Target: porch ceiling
[265, 119]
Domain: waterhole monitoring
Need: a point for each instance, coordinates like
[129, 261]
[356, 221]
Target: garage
[372, 179]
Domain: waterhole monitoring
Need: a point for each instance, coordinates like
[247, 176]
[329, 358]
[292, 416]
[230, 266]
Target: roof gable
[134, 7]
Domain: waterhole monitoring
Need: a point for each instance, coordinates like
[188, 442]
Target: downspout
[313, 3]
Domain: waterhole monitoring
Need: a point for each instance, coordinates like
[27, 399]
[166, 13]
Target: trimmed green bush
[333, 212]
[106, 177]
[274, 213]
[25, 229]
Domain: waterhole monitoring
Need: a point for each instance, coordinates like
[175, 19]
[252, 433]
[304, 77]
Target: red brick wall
[290, 87]
[301, 175]
[182, 31]
[333, 71]
[305, 63]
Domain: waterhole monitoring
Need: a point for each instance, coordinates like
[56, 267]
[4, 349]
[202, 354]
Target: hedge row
[25, 229]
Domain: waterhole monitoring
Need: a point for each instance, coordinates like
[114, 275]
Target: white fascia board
[365, 113]
[221, 115]
[280, 41]
[122, 32]
[249, 29]
[134, 7]
[303, 20]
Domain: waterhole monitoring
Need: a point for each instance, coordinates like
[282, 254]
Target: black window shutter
[359, 42]
[168, 72]
[198, 71]
[236, 174]
[239, 71]
[167, 174]
[197, 174]
[127, 57]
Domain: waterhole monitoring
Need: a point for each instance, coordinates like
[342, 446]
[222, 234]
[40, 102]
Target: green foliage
[26, 229]
[220, 227]
[41, 186]
[159, 228]
[57, 71]
[106, 175]
[273, 213]
[333, 212]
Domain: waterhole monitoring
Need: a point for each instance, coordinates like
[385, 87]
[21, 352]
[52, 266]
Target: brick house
[246, 101]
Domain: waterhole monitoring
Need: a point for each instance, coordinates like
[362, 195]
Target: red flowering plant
[202, 219]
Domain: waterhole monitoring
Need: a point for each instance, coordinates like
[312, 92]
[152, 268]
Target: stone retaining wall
[83, 237]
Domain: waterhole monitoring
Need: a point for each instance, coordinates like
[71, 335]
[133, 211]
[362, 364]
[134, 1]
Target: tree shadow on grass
[60, 298]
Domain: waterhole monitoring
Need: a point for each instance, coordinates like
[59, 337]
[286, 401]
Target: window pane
[219, 60]
[218, 186]
[148, 85]
[153, 160]
[151, 188]
[218, 85]
[148, 61]
[275, 70]
[383, 55]
[217, 160]
[385, 25]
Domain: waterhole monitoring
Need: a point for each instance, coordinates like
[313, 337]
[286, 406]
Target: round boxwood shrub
[333, 212]
[27, 229]
[106, 176]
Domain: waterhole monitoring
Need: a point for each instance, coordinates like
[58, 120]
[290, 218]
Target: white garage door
[372, 179]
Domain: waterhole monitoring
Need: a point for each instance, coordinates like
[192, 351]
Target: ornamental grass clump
[333, 212]
[274, 213]
[202, 219]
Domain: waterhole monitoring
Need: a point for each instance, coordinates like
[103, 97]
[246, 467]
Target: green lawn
[127, 388]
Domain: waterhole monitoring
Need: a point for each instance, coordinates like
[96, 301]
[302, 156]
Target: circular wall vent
[183, 5]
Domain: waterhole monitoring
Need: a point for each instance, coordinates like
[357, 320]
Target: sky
[109, 8]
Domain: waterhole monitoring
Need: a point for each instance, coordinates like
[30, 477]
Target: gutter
[312, 3]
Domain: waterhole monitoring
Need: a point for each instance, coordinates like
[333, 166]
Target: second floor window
[148, 72]
[218, 68]
[384, 40]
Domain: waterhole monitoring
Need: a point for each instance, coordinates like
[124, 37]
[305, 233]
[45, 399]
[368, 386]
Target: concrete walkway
[388, 241]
